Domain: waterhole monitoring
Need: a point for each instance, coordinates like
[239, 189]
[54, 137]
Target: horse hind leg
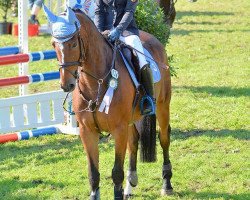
[132, 178]
[164, 136]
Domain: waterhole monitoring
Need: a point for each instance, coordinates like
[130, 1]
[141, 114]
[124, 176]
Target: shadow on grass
[241, 134]
[198, 195]
[187, 32]
[212, 195]
[10, 187]
[52, 151]
[218, 91]
[181, 14]
[46, 153]
[200, 23]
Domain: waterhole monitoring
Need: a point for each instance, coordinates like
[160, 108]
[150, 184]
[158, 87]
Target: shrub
[150, 18]
[5, 5]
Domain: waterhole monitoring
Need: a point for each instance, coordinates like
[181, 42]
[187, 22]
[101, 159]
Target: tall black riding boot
[148, 84]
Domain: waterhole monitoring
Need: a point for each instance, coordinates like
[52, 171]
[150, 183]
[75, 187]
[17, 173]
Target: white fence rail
[31, 111]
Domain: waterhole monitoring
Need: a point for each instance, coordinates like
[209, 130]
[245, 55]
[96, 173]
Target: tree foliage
[150, 18]
[5, 5]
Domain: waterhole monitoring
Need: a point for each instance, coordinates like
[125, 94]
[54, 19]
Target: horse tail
[147, 131]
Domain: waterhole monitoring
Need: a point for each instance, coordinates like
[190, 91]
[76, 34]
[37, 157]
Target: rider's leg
[135, 42]
[145, 71]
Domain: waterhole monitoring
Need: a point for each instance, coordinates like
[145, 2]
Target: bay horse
[85, 62]
[168, 7]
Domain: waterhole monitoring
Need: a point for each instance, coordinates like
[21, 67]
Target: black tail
[147, 130]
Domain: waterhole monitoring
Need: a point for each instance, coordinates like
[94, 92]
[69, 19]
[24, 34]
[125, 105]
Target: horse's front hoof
[95, 195]
[127, 196]
[167, 192]
[118, 193]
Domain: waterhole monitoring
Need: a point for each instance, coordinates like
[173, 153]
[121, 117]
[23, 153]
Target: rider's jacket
[118, 14]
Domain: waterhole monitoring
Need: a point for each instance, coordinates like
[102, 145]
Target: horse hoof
[95, 195]
[127, 196]
[167, 192]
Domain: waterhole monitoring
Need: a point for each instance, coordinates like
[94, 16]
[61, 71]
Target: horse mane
[87, 23]
[91, 38]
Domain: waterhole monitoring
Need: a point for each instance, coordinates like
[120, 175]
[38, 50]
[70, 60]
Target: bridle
[92, 103]
[82, 55]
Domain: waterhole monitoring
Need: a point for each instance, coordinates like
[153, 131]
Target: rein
[92, 104]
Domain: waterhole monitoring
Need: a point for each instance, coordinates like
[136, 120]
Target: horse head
[68, 45]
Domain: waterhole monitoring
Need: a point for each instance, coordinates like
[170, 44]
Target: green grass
[209, 151]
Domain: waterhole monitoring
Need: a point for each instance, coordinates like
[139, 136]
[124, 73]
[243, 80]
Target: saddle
[131, 61]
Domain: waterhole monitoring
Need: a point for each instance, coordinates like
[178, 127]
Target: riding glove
[114, 35]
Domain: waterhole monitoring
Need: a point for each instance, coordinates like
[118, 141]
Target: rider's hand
[114, 35]
[106, 33]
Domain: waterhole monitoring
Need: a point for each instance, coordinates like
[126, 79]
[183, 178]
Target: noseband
[82, 55]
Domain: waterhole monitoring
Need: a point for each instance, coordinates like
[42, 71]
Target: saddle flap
[133, 61]
[153, 66]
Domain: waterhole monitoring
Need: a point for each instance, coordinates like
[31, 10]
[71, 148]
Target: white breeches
[135, 42]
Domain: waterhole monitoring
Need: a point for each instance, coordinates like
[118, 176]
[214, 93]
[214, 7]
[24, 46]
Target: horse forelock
[92, 38]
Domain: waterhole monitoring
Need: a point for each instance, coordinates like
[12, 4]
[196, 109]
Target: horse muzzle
[69, 86]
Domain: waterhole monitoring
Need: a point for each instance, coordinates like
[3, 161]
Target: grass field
[209, 151]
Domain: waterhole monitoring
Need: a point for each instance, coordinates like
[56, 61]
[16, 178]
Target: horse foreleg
[164, 136]
[132, 178]
[120, 136]
[90, 142]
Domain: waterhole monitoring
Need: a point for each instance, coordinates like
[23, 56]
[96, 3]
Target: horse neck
[98, 54]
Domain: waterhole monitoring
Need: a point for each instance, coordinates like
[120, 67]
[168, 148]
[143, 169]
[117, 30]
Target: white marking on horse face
[61, 47]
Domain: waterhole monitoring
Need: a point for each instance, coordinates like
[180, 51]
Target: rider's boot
[148, 84]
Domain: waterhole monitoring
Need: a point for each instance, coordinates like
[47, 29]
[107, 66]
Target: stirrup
[146, 99]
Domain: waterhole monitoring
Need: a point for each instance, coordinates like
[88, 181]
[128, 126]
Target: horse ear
[50, 16]
[70, 16]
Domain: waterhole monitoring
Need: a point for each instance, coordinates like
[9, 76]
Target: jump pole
[33, 78]
[25, 135]
[9, 50]
[27, 57]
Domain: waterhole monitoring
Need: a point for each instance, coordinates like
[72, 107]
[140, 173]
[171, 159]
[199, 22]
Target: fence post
[23, 41]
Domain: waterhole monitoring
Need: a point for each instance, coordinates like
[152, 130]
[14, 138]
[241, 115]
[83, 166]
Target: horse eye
[74, 45]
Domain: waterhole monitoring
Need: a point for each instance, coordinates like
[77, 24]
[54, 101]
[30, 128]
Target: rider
[124, 27]
[87, 6]
[35, 7]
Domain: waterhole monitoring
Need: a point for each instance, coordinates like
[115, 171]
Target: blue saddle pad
[153, 65]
